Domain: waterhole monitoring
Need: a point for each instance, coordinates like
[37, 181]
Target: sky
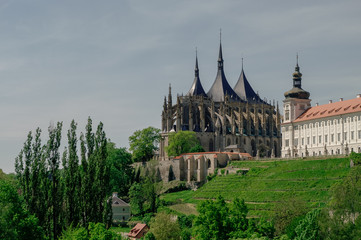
[114, 60]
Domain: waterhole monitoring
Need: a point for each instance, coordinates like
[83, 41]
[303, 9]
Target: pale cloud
[113, 60]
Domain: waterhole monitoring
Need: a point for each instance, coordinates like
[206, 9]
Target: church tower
[297, 100]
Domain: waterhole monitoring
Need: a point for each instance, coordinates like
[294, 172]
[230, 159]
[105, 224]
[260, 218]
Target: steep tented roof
[331, 109]
[244, 89]
[221, 87]
[196, 88]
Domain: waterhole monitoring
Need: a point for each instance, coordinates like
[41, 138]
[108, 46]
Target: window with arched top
[209, 163]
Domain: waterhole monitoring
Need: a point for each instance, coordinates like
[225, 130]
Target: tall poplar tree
[55, 194]
[71, 178]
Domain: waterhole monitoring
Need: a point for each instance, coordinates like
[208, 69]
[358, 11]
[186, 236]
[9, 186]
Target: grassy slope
[269, 182]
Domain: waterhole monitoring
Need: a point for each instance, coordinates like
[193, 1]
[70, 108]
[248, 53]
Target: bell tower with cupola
[297, 100]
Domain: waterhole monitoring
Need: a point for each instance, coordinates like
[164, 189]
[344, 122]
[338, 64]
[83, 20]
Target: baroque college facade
[329, 129]
[223, 117]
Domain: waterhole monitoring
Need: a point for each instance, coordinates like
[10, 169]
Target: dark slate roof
[196, 88]
[244, 89]
[221, 87]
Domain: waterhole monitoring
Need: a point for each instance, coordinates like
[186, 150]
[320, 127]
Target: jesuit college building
[333, 128]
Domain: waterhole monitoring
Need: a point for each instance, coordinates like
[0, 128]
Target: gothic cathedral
[224, 118]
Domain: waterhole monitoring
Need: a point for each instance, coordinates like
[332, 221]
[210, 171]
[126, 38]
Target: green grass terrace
[267, 183]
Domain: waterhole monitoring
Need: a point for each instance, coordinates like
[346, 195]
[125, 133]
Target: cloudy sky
[114, 60]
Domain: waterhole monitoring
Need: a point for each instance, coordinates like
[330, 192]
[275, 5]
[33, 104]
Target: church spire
[196, 69]
[220, 87]
[244, 89]
[196, 88]
[220, 57]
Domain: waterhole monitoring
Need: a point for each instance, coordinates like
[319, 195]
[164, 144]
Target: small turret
[297, 91]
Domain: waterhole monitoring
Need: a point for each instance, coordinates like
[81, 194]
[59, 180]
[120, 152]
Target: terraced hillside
[268, 182]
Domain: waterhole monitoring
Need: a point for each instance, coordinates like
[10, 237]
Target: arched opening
[209, 163]
[211, 146]
[253, 145]
[228, 142]
[171, 175]
[275, 148]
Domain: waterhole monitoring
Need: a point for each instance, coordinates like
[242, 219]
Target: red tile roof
[331, 109]
[137, 229]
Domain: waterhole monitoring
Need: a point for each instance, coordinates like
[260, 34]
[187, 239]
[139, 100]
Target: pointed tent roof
[221, 87]
[244, 89]
[196, 88]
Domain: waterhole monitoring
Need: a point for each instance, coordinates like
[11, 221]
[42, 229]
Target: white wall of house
[322, 136]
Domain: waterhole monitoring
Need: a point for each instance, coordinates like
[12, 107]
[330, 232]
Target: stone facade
[195, 167]
[223, 117]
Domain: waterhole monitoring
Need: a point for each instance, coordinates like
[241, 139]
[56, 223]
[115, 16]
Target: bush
[356, 158]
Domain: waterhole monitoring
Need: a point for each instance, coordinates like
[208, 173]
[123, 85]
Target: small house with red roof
[138, 231]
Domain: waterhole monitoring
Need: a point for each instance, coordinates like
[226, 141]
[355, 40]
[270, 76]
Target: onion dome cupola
[244, 89]
[221, 87]
[297, 91]
[196, 89]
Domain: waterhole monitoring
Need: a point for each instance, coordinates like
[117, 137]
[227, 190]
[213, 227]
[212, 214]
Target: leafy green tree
[356, 158]
[181, 142]
[72, 178]
[308, 227]
[238, 218]
[15, 221]
[55, 188]
[213, 221]
[137, 199]
[143, 143]
[164, 227]
[341, 220]
[95, 231]
[121, 170]
[197, 148]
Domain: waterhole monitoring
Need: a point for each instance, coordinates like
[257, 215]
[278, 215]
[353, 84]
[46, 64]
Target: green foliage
[308, 228]
[356, 158]
[163, 226]
[121, 170]
[286, 212]
[15, 221]
[74, 194]
[93, 232]
[137, 199]
[143, 197]
[341, 219]
[181, 142]
[197, 148]
[143, 143]
[213, 221]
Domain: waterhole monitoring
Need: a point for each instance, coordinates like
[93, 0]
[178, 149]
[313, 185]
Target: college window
[319, 139]
[296, 141]
[303, 142]
[308, 140]
[287, 142]
[338, 136]
[326, 138]
[287, 115]
[345, 134]
[352, 133]
[331, 137]
[359, 134]
[314, 140]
